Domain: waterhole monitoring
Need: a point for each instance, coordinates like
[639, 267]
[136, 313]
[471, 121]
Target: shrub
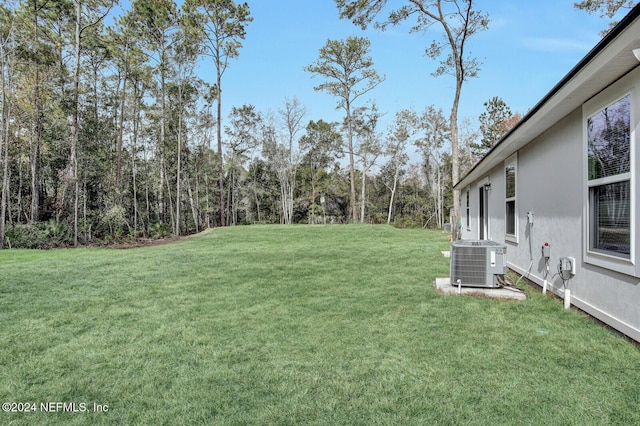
[158, 230]
[42, 235]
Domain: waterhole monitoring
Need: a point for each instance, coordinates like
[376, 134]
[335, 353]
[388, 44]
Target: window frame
[603, 258]
[512, 160]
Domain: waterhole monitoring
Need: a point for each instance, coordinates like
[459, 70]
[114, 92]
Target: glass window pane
[611, 218]
[608, 139]
[510, 218]
[510, 170]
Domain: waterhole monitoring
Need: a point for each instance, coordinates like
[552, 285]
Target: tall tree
[96, 12]
[321, 144]
[221, 25]
[349, 74]
[185, 95]
[159, 23]
[494, 122]
[245, 133]
[36, 54]
[7, 47]
[458, 20]
[128, 57]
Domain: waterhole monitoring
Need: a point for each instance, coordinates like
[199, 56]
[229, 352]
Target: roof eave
[609, 60]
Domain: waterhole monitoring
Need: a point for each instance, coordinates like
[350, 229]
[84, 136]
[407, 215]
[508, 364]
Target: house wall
[550, 182]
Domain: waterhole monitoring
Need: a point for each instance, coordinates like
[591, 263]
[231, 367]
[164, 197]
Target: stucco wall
[550, 183]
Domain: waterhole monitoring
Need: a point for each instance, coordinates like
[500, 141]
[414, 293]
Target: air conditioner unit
[477, 263]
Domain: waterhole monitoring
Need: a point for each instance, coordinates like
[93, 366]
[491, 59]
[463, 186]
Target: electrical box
[546, 251]
[530, 218]
[568, 264]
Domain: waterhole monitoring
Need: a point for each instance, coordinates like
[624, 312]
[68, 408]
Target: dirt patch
[142, 242]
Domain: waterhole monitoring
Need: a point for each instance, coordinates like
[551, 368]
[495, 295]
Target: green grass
[295, 325]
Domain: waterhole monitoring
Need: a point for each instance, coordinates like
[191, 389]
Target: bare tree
[400, 133]
[286, 161]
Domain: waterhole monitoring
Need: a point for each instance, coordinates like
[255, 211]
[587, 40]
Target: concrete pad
[443, 285]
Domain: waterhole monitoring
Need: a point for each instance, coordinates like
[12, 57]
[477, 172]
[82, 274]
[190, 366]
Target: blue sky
[528, 48]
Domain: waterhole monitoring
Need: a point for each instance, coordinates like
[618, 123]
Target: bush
[44, 235]
[115, 219]
[157, 231]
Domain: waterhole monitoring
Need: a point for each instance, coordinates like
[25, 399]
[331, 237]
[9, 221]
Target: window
[468, 209]
[609, 179]
[510, 219]
[611, 173]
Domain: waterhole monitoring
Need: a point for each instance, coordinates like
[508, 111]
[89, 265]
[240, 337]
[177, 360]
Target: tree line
[108, 133]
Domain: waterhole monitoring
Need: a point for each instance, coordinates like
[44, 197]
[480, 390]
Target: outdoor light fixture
[487, 186]
[636, 53]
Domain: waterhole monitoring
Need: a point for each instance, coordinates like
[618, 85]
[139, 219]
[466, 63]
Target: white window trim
[511, 237]
[613, 93]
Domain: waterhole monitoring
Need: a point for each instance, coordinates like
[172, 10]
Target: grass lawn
[295, 325]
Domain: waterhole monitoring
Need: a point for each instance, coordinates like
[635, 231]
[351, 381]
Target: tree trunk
[36, 133]
[440, 200]
[352, 174]
[34, 157]
[84, 209]
[197, 196]
[146, 190]
[5, 113]
[73, 157]
[171, 217]
[192, 203]
[455, 161]
[134, 149]
[161, 206]
[363, 190]
[121, 120]
[19, 206]
[393, 192]
[219, 139]
[207, 207]
[177, 230]
[257, 201]
[312, 217]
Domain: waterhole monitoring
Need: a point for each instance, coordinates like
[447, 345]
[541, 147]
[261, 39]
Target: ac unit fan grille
[469, 265]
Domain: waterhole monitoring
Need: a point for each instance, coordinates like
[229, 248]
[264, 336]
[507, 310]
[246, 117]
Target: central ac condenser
[477, 263]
